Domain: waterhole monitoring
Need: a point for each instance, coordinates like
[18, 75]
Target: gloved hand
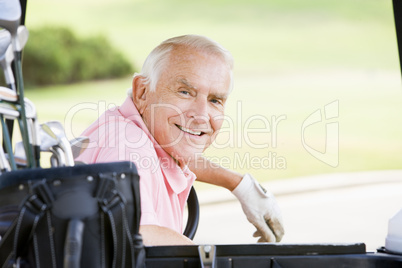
[261, 209]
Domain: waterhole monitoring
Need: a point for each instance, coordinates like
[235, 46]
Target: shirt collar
[176, 177]
[129, 111]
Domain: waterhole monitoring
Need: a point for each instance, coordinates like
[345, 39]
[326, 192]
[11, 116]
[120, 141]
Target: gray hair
[159, 57]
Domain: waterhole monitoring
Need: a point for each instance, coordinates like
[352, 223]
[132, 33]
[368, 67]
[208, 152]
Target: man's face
[185, 112]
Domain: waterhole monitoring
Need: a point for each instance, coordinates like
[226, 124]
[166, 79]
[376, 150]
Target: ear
[140, 92]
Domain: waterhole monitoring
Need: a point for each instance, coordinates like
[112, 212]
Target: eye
[184, 92]
[216, 101]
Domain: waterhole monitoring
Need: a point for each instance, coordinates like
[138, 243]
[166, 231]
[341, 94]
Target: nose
[199, 111]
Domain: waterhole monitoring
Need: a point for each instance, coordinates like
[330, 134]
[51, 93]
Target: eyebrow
[185, 82]
[220, 96]
[189, 85]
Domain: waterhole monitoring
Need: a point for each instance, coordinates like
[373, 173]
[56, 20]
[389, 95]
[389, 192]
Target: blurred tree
[56, 56]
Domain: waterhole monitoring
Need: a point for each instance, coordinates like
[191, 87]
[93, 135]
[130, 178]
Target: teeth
[198, 133]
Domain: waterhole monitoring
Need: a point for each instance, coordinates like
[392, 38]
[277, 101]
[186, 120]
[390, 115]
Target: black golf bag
[81, 216]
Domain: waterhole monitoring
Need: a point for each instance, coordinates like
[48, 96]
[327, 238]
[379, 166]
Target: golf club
[78, 145]
[4, 165]
[6, 58]
[19, 154]
[48, 143]
[5, 41]
[6, 61]
[8, 95]
[56, 130]
[10, 15]
[22, 37]
[47, 139]
[33, 127]
[58, 157]
[6, 52]
[10, 111]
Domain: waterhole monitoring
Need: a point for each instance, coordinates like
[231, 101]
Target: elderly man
[172, 114]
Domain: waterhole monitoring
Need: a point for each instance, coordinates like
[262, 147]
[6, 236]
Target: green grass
[291, 58]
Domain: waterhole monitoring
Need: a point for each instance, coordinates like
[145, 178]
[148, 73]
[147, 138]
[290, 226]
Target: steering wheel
[193, 219]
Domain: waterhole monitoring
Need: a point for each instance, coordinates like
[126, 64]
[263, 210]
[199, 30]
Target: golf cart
[48, 206]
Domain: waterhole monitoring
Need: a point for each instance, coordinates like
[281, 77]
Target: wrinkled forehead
[194, 67]
[185, 61]
[182, 52]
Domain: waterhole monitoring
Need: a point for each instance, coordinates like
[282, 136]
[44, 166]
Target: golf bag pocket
[82, 216]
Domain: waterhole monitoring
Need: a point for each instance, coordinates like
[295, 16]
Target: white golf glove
[261, 209]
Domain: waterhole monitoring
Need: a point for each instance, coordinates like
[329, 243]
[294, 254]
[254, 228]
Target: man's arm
[153, 235]
[212, 173]
[258, 204]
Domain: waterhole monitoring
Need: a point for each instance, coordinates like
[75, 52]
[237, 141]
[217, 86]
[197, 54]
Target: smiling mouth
[189, 131]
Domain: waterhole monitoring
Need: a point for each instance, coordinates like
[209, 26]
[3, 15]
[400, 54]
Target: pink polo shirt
[120, 134]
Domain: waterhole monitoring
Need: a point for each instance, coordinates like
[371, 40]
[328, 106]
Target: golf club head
[5, 41]
[9, 110]
[10, 15]
[7, 94]
[22, 37]
[7, 57]
[4, 165]
[6, 66]
[33, 132]
[53, 161]
[30, 109]
[19, 154]
[47, 138]
[78, 145]
[58, 130]
[58, 157]
[30, 112]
